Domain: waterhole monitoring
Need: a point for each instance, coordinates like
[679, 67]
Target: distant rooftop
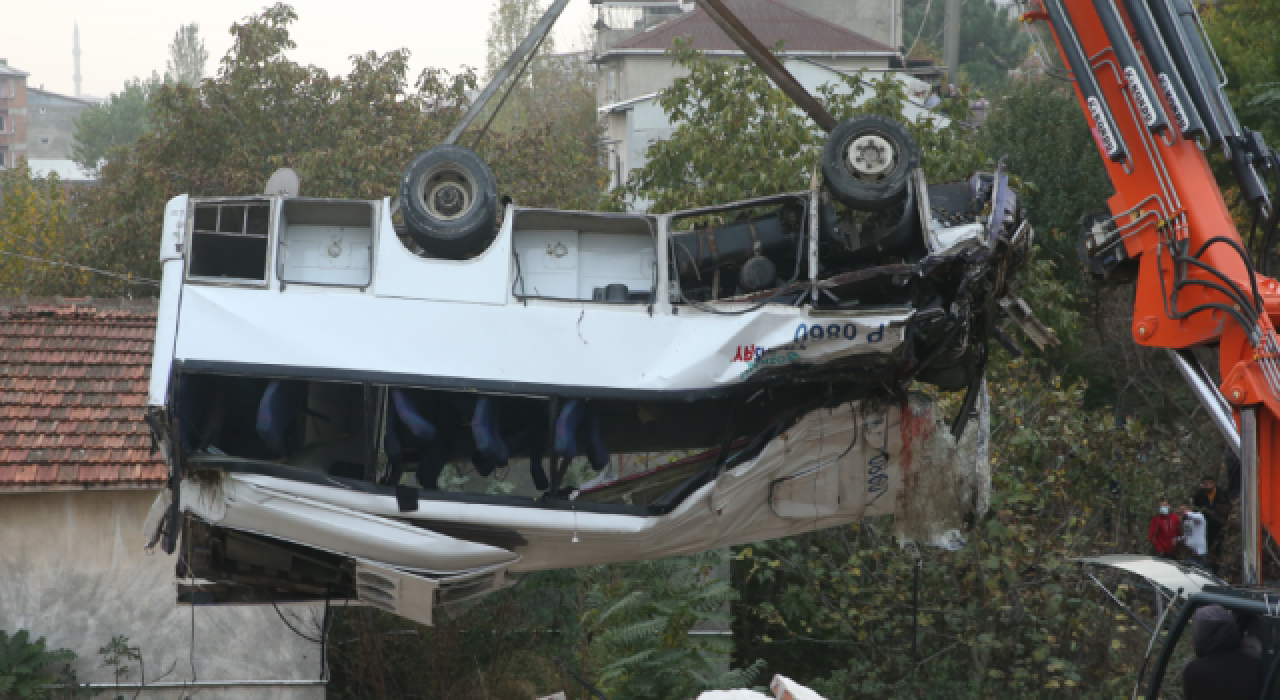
[6, 69]
[769, 20]
[68, 170]
[40, 96]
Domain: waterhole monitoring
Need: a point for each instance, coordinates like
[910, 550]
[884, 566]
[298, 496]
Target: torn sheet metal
[268, 506]
[940, 500]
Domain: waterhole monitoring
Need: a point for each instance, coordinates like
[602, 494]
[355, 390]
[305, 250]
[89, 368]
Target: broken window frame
[676, 291]
[189, 277]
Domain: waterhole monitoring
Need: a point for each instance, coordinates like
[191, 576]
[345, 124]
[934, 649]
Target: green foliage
[625, 628]
[1040, 126]
[509, 23]
[187, 55]
[709, 159]
[116, 123]
[991, 41]
[28, 669]
[491, 650]
[34, 226]
[118, 654]
[1245, 34]
[639, 617]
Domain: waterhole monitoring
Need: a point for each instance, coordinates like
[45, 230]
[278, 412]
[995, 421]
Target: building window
[4, 123]
[44, 141]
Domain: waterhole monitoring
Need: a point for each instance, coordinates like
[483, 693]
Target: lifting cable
[133, 279]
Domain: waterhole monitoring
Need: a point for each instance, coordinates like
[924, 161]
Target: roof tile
[769, 20]
[73, 387]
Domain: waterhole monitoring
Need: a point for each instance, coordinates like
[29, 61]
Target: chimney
[75, 54]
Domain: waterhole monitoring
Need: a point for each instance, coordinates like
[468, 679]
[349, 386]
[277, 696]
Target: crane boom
[1134, 64]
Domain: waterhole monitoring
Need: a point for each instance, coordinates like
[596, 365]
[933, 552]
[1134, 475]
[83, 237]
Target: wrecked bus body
[348, 414]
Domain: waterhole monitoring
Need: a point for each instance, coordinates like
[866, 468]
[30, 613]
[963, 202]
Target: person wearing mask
[1164, 531]
[1222, 670]
[1193, 536]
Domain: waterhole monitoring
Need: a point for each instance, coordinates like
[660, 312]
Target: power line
[15, 236]
[131, 279]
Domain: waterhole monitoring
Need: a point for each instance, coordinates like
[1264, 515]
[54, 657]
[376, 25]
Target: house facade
[13, 114]
[51, 133]
[77, 479]
[635, 68]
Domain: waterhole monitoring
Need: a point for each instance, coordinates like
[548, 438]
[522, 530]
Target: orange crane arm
[1151, 89]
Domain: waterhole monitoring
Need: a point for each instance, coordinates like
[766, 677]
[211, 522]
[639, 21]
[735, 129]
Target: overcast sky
[126, 38]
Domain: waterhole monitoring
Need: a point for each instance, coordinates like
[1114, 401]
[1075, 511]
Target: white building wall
[875, 19]
[73, 570]
[633, 127]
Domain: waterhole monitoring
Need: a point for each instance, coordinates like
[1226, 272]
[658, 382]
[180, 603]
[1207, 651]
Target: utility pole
[951, 41]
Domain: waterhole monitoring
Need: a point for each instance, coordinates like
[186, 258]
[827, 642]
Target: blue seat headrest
[491, 450]
[280, 405]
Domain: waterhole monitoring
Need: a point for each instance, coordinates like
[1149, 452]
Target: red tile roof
[769, 20]
[73, 387]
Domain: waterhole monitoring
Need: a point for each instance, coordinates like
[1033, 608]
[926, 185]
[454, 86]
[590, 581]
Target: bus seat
[571, 417]
[410, 416]
[280, 405]
[491, 451]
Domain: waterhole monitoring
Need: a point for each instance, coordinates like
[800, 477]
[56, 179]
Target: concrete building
[38, 125]
[51, 129]
[77, 478]
[634, 67]
[13, 114]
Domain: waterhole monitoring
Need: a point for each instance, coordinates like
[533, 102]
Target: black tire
[881, 182]
[449, 198]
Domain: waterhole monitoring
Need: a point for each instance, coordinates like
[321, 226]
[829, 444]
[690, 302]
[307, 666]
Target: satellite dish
[283, 182]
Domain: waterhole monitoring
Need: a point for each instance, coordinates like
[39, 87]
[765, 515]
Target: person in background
[1232, 464]
[1214, 503]
[1193, 536]
[1164, 531]
[1221, 669]
[933, 100]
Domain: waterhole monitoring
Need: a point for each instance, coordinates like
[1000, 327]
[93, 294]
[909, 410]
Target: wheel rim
[447, 192]
[870, 157]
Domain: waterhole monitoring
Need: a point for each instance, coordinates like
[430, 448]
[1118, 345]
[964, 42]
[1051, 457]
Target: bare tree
[187, 55]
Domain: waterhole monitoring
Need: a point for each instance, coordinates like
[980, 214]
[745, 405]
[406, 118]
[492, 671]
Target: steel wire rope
[144, 281]
[923, 20]
[37, 244]
[510, 89]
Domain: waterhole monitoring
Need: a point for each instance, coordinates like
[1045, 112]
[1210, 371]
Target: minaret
[75, 53]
